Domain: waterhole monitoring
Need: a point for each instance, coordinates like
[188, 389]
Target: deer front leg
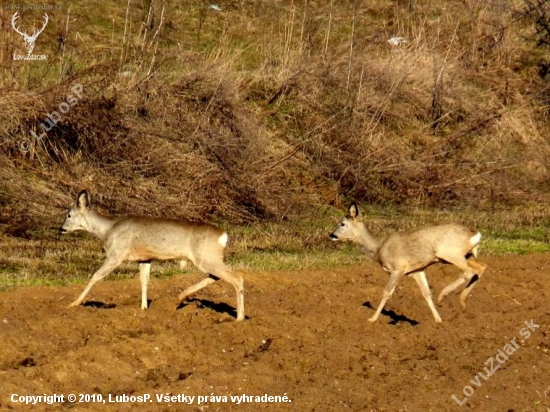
[108, 266]
[388, 291]
[144, 270]
[420, 278]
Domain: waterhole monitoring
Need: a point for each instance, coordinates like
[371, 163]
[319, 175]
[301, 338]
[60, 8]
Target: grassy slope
[260, 116]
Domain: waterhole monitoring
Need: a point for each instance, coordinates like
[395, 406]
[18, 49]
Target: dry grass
[266, 112]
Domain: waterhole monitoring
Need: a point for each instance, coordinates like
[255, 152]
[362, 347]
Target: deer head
[29, 40]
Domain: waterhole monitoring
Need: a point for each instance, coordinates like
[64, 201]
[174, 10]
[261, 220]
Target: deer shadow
[395, 318]
[219, 307]
[98, 305]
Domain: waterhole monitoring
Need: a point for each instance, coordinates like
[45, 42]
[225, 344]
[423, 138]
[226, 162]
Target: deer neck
[369, 242]
[100, 225]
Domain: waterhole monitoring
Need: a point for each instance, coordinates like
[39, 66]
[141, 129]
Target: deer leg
[218, 270]
[238, 284]
[478, 269]
[196, 287]
[104, 270]
[420, 278]
[388, 291]
[449, 288]
[239, 290]
[471, 268]
[144, 270]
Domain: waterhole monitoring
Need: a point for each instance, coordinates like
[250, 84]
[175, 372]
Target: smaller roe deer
[411, 252]
[143, 239]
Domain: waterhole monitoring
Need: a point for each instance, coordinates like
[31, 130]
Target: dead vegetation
[252, 112]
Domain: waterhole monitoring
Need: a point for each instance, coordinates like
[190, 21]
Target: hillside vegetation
[261, 111]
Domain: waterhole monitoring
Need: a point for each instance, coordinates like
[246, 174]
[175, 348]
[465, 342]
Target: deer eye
[343, 224]
[69, 215]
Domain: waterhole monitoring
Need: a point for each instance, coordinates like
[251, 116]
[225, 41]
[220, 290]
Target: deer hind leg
[196, 287]
[236, 280]
[478, 269]
[144, 270]
[451, 287]
[420, 278]
[217, 270]
[108, 266]
[388, 291]
[472, 271]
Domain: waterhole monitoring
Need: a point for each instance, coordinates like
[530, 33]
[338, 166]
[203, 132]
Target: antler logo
[29, 40]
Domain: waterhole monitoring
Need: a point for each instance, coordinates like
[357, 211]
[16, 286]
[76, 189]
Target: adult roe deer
[410, 252]
[143, 239]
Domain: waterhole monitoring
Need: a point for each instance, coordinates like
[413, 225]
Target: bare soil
[306, 336]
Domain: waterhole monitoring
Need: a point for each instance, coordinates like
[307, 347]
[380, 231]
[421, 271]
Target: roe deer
[143, 239]
[411, 252]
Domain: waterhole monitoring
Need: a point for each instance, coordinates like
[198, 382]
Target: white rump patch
[223, 240]
[475, 239]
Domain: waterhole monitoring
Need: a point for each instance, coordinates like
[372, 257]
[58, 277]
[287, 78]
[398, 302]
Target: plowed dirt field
[306, 336]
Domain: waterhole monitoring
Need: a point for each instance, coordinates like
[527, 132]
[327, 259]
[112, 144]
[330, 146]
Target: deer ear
[83, 200]
[353, 210]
